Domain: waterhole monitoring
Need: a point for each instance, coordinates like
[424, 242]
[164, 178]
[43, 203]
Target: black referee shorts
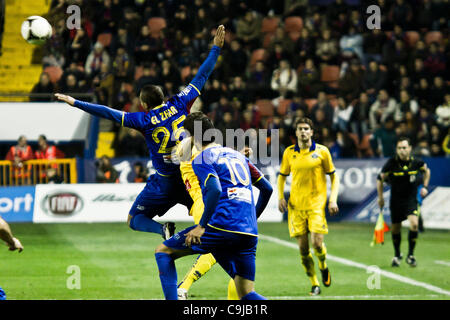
[401, 212]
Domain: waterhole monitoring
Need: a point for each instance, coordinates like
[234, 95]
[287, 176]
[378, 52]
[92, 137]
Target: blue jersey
[235, 211]
[162, 127]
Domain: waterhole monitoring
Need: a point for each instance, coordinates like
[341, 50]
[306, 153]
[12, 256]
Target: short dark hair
[152, 95]
[205, 122]
[308, 121]
[403, 138]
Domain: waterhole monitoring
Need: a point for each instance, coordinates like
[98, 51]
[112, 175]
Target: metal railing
[38, 171]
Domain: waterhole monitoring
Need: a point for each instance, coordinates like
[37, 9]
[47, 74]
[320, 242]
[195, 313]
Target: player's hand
[65, 98]
[246, 151]
[282, 205]
[333, 208]
[193, 236]
[220, 36]
[16, 245]
[423, 192]
[381, 203]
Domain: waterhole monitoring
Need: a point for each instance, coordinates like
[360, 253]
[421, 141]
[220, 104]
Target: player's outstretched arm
[92, 108]
[7, 236]
[265, 191]
[207, 67]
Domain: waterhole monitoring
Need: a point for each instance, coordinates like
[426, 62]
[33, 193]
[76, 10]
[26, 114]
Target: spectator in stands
[351, 84]
[238, 91]
[324, 105]
[140, 172]
[309, 80]
[131, 144]
[401, 13]
[78, 48]
[95, 59]
[20, 153]
[142, 47]
[359, 120]
[342, 115]
[276, 55]
[438, 91]
[422, 149]
[227, 123]
[149, 76]
[201, 26]
[305, 47]
[351, 45]
[434, 62]
[71, 85]
[123, 68]
[443, 113]
[106, 172]
[169, 74]
[122, 39]
[405, 104]
[381, 109]
[384, 139]
[374, 79]
[236, 60]
[422, 92]
[248, 30]
[373, 45]
[44, 86]
[47, 151]
[327, 49]
[258, 84]
[283, 39]
[284, 80]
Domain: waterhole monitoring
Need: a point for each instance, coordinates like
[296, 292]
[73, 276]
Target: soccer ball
[36, 30]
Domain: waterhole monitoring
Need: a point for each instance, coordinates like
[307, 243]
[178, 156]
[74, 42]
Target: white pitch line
[445, 263]
[350, 297]
[363, 266]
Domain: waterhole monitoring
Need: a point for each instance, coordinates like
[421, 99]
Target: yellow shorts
[302, 221]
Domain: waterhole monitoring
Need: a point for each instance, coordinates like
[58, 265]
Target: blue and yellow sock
[167, 275]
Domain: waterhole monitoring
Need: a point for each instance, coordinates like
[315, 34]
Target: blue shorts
[159, 195]
[234, 252]
[2, 294]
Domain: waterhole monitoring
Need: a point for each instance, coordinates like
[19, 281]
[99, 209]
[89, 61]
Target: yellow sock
[308, 265]
[201, 266]
[232, 292]
[322, 255]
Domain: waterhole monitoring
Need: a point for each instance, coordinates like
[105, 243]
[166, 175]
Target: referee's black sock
[412, 239]
[396, 239]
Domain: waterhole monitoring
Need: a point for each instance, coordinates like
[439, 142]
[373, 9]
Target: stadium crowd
[281, 60]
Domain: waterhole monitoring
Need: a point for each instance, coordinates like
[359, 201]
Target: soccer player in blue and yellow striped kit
[309, 163]
[161, 125]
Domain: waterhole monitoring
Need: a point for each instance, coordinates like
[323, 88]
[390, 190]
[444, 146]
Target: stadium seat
[258, 55]
[330, 76]
[269, 25]
[104, 39]
[54, 73]
[413, 37]
[265, 106]
[283, 106]
[433, 36]
[156, 24]
[293, 24]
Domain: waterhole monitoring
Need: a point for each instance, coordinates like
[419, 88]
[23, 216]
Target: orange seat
[265, 107]
[104, 39]
[54, 73]
[293, 24]
[156, 24]
[433, 36]
[258, 55]
[330, 75]
[413, 37]
[269, 25]
[283, 106]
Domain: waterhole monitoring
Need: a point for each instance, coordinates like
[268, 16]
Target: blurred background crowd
[281, 60]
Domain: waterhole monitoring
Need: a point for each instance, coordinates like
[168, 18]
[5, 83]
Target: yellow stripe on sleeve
[123, 116]
[195, 88]
[209, 176]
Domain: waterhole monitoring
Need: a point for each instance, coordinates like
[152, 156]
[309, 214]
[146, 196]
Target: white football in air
[36, 30]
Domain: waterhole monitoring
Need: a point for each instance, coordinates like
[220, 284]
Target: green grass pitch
[118, 263]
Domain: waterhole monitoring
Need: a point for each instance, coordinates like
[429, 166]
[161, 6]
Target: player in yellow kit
[204, 262]
[309, 163]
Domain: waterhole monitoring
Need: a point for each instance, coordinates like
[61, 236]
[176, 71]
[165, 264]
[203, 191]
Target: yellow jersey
[309, 168]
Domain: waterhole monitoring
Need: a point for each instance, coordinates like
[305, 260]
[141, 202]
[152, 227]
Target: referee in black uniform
[402, 172]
